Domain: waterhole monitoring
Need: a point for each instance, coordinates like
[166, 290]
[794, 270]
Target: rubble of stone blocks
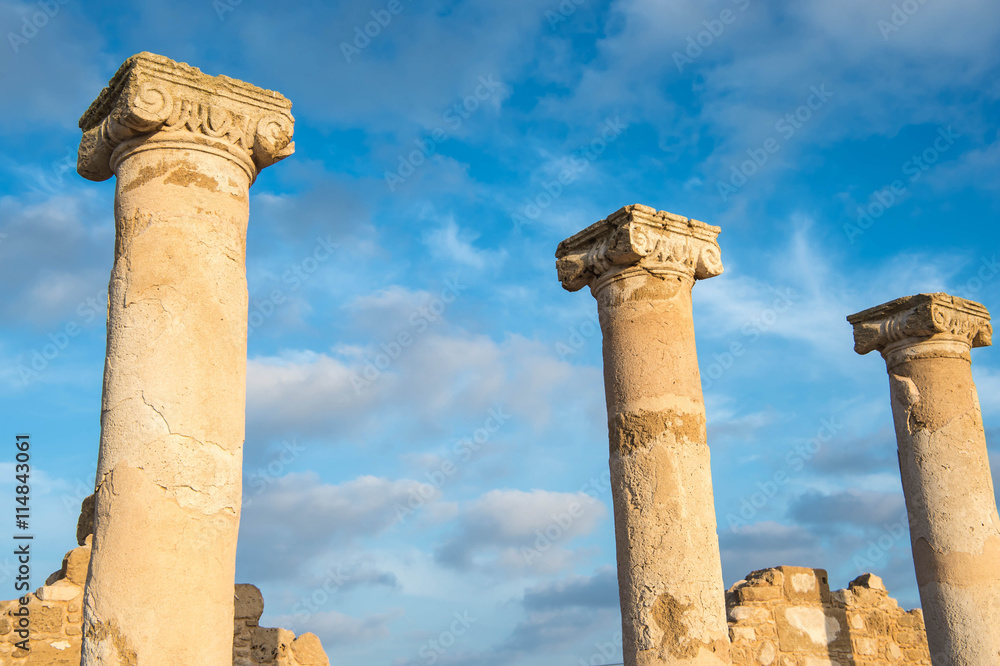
[56, 617]
[254, 645]
[57, 620]
[787, 616]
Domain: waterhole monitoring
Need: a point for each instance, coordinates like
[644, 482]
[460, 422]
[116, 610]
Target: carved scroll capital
[639, 236]
[154, 98]
[920, 318]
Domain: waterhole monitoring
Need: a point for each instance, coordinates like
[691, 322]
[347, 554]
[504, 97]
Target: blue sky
[848, 150]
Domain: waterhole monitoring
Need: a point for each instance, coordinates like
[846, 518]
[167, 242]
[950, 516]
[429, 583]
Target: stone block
[810, 629]
[841, 598]
[869, 581]
[753, 614]
[767, 654]
[742, 656]
[866, 647]
[308, 651]
[76, 564]
[806, 585]
[249, 603]
[271, 646]
[61, 590]
[46, 619]
[879, 623]
[85, 523]
[56, 653]
[749, 594]
[766, 577]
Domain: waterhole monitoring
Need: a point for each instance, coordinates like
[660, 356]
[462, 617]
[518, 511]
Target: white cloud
[335, 628]
[297, 517]
[849, 507]
[763, 65]
[988, 386]
[599, 590]
[436, 376]
[768, 544]
[811, 290]
[520, 531]
[57, 253]
[454, 244]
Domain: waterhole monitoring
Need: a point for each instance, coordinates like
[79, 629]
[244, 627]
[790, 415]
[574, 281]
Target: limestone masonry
[787, 616]
[927, 341]
[185, 148]
[57, 620]
[641, 265]
[152, 581]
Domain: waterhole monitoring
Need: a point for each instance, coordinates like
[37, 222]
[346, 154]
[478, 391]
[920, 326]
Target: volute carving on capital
[639, 236]
[152, 98]
[921, 317]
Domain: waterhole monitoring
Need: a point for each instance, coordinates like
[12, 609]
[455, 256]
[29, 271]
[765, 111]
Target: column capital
[152, 99]
[920, 318]
[638, 236]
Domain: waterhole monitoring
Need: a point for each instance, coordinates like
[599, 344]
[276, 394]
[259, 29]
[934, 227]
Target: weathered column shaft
[641, 266]
[185, 148]
[926, 341]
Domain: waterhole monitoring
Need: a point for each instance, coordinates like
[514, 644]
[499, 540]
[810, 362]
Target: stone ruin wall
[57, 621]
[254, 645]
[787, 616]
[55, 616]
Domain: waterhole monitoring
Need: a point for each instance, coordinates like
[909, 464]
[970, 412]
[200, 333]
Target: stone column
[641, 265]
[185, 148]
[926, 341]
